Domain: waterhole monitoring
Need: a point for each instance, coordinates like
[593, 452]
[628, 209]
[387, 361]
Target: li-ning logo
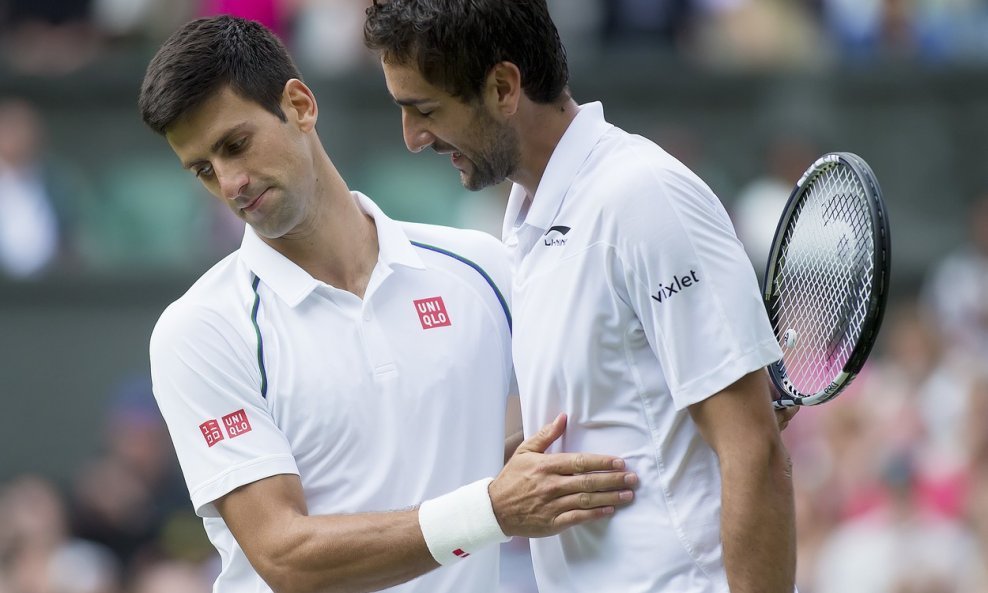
[678, 283]
[554, 240]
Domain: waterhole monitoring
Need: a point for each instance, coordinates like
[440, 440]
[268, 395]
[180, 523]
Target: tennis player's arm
[757, 509]
[535, 495]
[295, 552]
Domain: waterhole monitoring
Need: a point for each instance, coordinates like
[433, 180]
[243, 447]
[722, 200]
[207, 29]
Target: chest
[355, 369]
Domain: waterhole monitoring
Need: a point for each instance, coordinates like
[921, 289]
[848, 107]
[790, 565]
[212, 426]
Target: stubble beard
[499, 158]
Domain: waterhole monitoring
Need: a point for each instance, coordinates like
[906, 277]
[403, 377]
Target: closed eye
[203, 172]
[237, 147]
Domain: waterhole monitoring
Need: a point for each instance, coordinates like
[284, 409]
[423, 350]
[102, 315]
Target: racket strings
[824, 279]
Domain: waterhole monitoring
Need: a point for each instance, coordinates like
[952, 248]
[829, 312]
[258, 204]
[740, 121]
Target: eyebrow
[222, 140]
[413, 102]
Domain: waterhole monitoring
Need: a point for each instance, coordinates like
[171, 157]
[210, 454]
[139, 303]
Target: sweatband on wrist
[461, 522]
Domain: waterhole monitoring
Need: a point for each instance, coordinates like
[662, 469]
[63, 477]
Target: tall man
[339, 368]
[636, 309]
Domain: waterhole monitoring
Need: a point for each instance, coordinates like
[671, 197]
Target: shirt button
[367, 316]
[512, 241]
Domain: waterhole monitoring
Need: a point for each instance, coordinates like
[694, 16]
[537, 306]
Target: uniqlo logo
[432, 312]
[236, 423]
[211, 432]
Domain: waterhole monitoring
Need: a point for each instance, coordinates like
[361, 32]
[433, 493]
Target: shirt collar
[292, 284]
[569, 155]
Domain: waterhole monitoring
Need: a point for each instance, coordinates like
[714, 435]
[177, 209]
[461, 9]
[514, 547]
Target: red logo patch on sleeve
[432, 312]
[211, 432]
[236, 423]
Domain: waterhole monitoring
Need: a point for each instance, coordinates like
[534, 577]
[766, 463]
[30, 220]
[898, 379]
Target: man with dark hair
[637, 311]
[339, 364]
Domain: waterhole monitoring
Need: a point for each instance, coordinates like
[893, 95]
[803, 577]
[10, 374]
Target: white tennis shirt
[377, 404]
[632, 299]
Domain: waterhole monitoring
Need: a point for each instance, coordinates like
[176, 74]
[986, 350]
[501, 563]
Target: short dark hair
[455, 43]
[207, 54]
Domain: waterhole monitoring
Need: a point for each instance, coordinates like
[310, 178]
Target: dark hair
[207, 54]
[455, 43]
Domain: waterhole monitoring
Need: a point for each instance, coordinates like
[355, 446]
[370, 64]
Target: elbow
[286, 569]
[766, 455]
[281, 566]
[278, 573]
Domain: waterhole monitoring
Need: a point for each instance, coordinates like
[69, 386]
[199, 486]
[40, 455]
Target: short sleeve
[691, 284]
[206, 382]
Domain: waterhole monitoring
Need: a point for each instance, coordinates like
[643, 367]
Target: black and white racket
[827, 279]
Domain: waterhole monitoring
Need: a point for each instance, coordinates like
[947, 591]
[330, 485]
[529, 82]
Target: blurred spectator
[29, 227]
[329, 36]
[901, 547]
[759, 204]
[47, 37]
[83, 567]
[134, 21]
[922, 388]
[956, 289]
[276, 15]
[760, 34]
[124, 497]
[171, 577]
[896, 29]
[36, 553]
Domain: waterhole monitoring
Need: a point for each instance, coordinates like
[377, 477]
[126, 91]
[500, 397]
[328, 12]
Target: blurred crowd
[121, 523]
[891, 478]
[145, 212]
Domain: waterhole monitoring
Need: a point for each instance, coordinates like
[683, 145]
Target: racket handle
[782, 404]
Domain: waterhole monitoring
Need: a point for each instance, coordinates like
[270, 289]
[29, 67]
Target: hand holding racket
[827, 279]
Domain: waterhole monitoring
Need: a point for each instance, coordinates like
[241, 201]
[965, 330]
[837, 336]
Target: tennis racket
[827, 279]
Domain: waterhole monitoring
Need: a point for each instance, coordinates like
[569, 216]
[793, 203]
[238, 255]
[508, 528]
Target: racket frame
[881, 262]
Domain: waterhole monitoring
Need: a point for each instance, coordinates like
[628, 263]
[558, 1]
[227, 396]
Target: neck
[337, 242]
[543, 126]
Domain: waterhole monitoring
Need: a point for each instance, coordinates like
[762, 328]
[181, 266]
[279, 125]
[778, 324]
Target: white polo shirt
[377, 404]
[632, 299]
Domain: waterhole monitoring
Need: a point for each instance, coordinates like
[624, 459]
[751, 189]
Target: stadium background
[746, 92]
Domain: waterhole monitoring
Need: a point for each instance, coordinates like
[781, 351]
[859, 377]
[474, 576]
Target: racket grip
[782, 404]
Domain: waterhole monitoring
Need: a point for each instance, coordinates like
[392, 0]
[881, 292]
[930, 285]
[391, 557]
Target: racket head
[827, 278]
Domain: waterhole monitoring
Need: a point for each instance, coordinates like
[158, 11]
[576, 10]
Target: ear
[299, 104]
[504, 87]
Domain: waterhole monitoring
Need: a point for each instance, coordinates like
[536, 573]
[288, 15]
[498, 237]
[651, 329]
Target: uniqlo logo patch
[211, 432]
[236, 423]
[432, 312]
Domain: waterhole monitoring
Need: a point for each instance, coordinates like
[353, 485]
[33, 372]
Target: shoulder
[634, 172]
[643, 189]
[448, 245]
[211, 307]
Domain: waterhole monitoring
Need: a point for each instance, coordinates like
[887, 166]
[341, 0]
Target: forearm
[352, 553]
[758, 522]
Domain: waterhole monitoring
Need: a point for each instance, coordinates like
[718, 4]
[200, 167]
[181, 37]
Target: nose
[232, 180]
[417, 137]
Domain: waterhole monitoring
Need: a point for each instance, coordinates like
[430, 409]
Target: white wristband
[456, 524]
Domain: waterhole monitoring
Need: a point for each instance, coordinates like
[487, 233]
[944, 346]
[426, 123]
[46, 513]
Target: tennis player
[340, 368]
[636, 309]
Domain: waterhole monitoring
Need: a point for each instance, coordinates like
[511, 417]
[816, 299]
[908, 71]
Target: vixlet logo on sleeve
[678, 283]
